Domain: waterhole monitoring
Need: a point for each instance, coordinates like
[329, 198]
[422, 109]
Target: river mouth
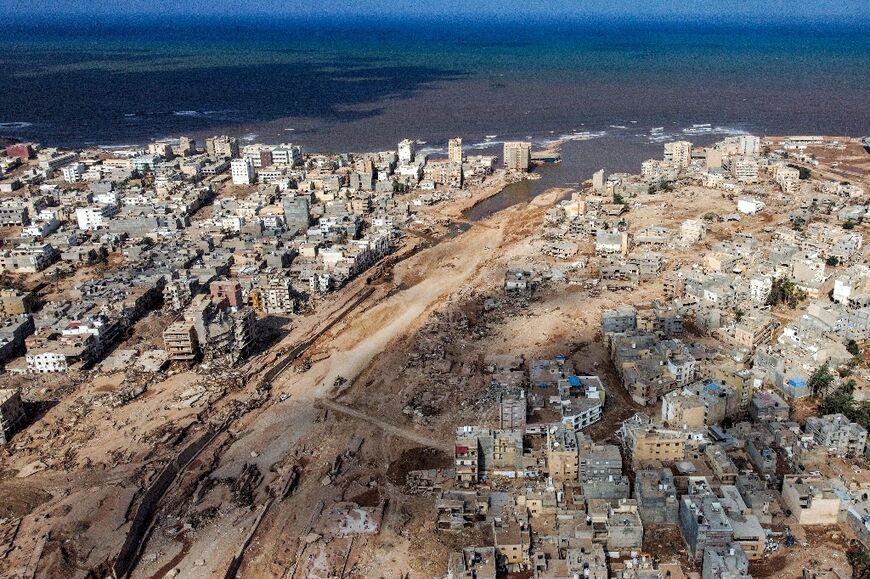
[579, 160]
[512, 194]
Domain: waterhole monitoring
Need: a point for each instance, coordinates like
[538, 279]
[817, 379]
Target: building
[297, 213]
[466, 457]
[242, 171]
[12, 413]
[454, 150]
[727, 562]
[407, 151]
[228, 290]
[73, 172]
[744, 169]
[749, 205]
[513, 411]
[23, 151]
[94, 217]
[788, 179]
[563, 463]
[704, 524]
[473, 563]
[222, 147]
[656, 495]
[277, 296]
[14, 302]
[749, 145]
[14, 214]
[622, 319]
[655, 444]
[180, 342]
[513, 542]
[692, 230]
[810, 499]
[679, 153]
[752, 331]
[518, 156]
[624, 527]
[837, 434]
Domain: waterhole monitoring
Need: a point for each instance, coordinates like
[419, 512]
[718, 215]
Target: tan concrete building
[754, 330]
[810, 499]
[563, 460]
[179, 341]
[14, 302]
[518, 156]
[653, 444]
[454, 150]
[683, 408]
[679, 153]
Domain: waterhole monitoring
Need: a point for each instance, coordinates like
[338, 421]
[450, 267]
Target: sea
[610, 91]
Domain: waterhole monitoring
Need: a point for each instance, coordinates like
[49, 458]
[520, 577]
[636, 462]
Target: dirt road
[406, 433]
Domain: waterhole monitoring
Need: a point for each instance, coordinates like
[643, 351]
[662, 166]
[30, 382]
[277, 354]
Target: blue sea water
[363, 85]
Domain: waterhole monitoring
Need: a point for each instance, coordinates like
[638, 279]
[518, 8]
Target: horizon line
[186, 18]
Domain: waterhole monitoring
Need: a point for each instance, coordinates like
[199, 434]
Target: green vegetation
[617, 198]
[853, 348]
[666, 186]
[859, 559]
[821, 380]
[804, 172]
[710, 216]
[738, 314]
[842, 401]
[832, 261]
[849, 224]
[798, 223]
[784, 291]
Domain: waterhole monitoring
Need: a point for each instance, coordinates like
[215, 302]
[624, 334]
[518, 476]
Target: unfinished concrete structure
[12, 413]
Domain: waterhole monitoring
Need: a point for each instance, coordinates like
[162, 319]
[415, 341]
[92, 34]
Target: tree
[849, 224]
[617, 198]
[738, 314]
[838, 402]
[784, 291]
[833, 261]
[804, 172]
[820, 380]
[853, 348]
[859, 558]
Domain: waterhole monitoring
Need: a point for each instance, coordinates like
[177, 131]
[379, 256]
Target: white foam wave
[14, 125]
[659, 136]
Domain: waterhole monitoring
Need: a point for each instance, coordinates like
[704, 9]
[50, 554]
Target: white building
[749, 205]
[744, 169]
[94, 216]
[74, 172]
[243, 171]
[749, 145]
[44, 362]
[692, 230]
[759, 288]
[407, 150]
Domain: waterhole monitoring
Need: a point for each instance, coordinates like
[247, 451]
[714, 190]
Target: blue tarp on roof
[574, 380]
